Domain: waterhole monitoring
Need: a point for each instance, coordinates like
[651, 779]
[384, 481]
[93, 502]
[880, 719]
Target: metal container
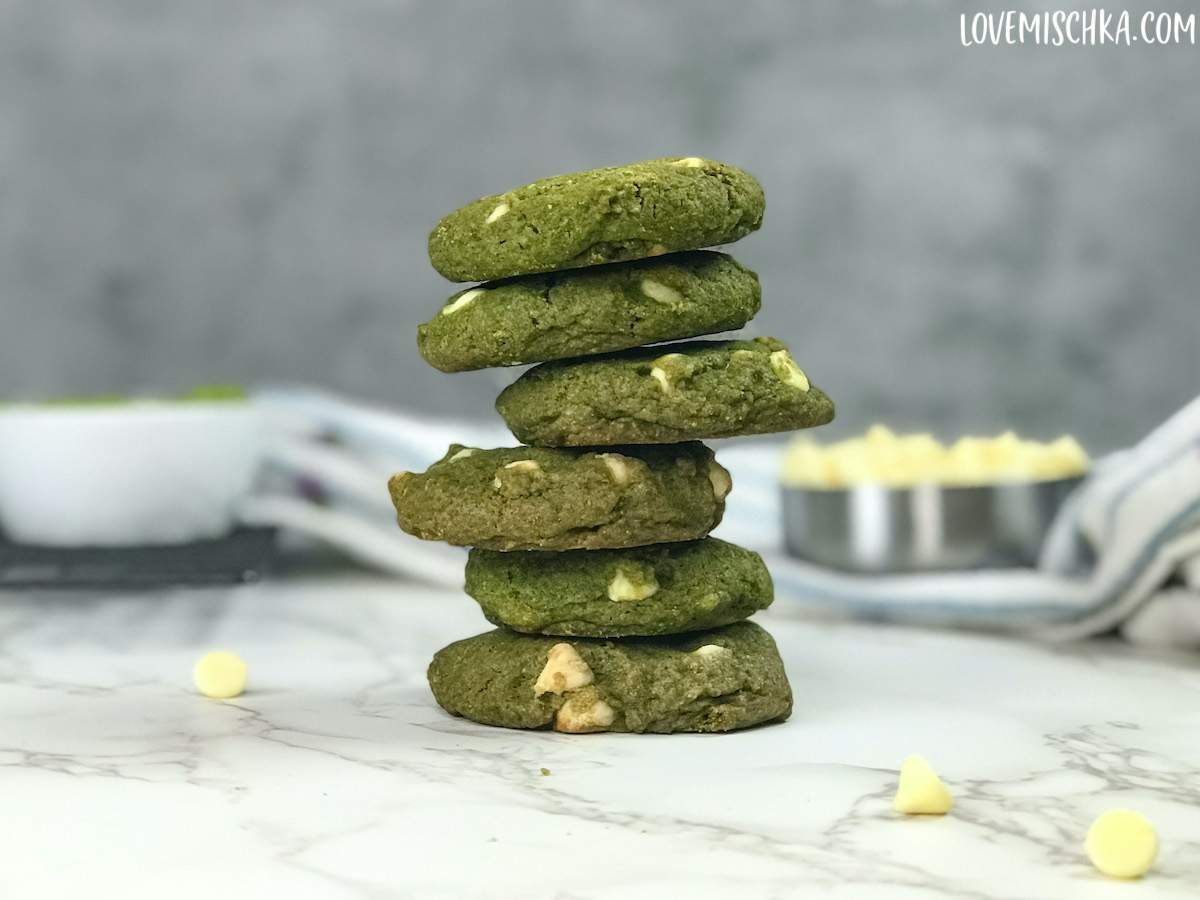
[929, 527]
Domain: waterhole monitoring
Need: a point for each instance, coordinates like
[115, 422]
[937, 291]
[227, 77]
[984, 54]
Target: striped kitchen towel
[1118, 556]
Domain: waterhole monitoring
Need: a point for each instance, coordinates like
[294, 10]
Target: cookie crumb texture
[660, 685]
[533, 498]
[587, 311]
[605, 215]
[656, 395]
[662, 589]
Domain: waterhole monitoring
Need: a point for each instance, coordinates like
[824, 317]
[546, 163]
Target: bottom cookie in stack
[705, 681]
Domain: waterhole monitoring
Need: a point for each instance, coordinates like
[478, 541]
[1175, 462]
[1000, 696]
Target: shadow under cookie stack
[616, 611]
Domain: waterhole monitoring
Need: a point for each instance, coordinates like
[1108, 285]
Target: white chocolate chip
[523, 465]
[461, 454]
[691, 162]
[564, 671]
[497, 213]
[623, 588]
[466, 298]
[718, 476]
[582, 713]
[656, 250]
[712, 651]
[617, 467]
[787, 370]
[660, 292]
[518, 465]
[659, 371]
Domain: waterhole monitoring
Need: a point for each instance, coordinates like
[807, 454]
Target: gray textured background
[241, 189]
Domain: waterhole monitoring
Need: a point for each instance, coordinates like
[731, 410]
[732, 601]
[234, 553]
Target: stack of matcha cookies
[616, 611]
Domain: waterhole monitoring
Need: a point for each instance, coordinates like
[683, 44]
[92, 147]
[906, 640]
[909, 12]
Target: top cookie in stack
[584, 270]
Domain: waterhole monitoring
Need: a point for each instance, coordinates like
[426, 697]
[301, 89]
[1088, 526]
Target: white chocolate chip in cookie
[462, 454]
[656, 250]
[718, 476]
[667, 369]
[660, 292]
[524, 465]
[498, 213]
[518, 465]
[564, 671]
[466, 298]
[712, 651]
[787, 370]
[632, 586]
[617, 467]
[584, 712]
[690, 162]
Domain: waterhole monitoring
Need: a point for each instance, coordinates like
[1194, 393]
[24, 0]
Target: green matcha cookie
[663, 589]
[656, 395]
[717, 680]
[531, 498]
[604, 308]
[601, 216]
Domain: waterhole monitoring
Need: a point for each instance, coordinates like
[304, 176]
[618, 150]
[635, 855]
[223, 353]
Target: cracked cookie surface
[535, 498]
[599, 216]
[663, 394]
[594, 310]
[661, 589]
[705, 681]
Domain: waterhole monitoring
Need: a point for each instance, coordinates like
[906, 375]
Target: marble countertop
[336, 776]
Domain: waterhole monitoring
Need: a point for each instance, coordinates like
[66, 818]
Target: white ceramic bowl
[129, 474]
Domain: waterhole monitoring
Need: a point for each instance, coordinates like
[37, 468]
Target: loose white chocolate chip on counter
[498, 213]
[787, 370]
[220, 675]
[882, 457]
[466, 298]
[564, 671]
[639, 586]
[1122, 844]
[920, 791]
[719, 478]
[583, 712]
[660, 292]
